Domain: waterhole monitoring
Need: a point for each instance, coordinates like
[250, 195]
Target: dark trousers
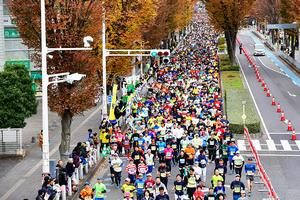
[168, 164]
[190, 192]
[238, 171]
[212, 154]
[117, 176]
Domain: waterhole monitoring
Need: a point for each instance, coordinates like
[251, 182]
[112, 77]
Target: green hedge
[222, 47]
[230, 68]
[221, 40]
[224, 60]
[234, 109]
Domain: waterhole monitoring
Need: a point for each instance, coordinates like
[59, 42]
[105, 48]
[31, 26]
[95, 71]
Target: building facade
[12, 50]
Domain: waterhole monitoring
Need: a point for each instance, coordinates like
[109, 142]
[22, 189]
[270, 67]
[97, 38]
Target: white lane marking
[292, 95]
[273, 155]
[271, 145]
[286, 145]
[258, 111]
[256, 144]
[13, 189]
[241, 145]
[298, 143]
[38, 165]
[287, 133]
[279, 72]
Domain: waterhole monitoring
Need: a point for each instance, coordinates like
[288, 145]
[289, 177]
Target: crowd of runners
[179, 127]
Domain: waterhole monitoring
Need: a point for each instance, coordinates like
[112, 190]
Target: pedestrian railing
[79, 173]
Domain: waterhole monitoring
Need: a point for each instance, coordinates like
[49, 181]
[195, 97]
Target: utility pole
[104, 96]
[45, 80]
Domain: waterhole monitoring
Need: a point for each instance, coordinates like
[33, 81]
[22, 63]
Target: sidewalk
[276, 48]
[23, 179]
[32, 129]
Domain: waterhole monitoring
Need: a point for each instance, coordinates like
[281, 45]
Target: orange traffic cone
[262, 83]
[259, 79]
[294, 137]
[273, 101]
[268, 93]
[290, 126]
[282, 118]
[278, 108]
[265, 88]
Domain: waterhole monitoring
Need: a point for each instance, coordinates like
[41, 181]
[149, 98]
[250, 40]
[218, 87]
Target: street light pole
[104, 96]
[46, 167]
[244, 116]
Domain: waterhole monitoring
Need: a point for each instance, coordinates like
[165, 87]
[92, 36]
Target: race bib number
[237, 189]
[140, 185]
[117, 168]
[221, 170]
[250, 173]
[163, 174]
[178, 187]
[202, 162]
[136, 157]
[153, 148]
[211, 143]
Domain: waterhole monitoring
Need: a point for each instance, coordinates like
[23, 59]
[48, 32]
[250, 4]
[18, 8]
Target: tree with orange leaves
[227, 16]
[266, 10]
[67, 22]
[290, 11]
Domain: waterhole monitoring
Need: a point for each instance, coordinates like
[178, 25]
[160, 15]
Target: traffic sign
[244, 116]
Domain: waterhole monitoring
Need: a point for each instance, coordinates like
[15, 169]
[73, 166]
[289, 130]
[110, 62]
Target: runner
[139, 185]
[237, 186]
[99, 190]
[250, 170]
[117, 169]
[128, 189]
[238, 162]
[179, 186]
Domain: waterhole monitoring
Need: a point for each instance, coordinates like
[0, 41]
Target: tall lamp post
[104, 95]
[59, 78]
[244, 116]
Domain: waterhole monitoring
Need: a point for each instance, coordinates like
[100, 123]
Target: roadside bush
[230, 68]
[224, 60]
[221, 41]
[222, 47]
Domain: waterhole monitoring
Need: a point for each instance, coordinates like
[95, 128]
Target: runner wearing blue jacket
[250, 170]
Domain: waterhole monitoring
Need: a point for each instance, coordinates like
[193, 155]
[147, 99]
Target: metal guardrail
[265, 178]
[11, 142]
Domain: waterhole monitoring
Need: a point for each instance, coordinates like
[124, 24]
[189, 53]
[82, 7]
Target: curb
[88, 178]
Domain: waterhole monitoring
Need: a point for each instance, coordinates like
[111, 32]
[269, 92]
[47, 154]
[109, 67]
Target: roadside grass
[232, 80]
[234, 94]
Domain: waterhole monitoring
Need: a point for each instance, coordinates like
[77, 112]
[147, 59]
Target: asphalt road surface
[116, 194]
[279, 155]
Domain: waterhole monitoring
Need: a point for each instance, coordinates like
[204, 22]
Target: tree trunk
[230, 37]
[64, 147]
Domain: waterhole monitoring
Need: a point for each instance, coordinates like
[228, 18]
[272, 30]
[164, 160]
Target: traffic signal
[161, 53]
